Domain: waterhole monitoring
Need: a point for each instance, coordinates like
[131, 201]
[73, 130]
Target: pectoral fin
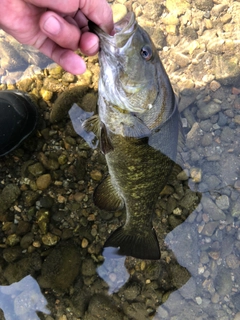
[141, 245]
[105, 196]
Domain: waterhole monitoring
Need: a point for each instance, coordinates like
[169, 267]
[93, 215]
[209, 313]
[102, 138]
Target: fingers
[89, 44]
[98, 11]
[67, 59]
[59, 30]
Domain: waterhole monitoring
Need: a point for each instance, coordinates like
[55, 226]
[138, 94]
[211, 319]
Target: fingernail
[52, 26]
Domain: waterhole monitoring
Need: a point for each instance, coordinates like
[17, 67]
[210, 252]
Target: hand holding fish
[57, 28]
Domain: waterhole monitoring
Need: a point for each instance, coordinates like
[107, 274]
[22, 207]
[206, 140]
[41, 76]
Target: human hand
[57, 28]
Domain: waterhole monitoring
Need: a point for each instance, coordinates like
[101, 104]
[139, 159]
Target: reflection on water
[22, 300]
[50, 229]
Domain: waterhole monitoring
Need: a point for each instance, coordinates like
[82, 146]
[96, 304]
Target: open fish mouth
[122, 32]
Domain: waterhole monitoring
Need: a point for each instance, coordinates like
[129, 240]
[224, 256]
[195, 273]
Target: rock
[209, 228]
[101, 307]
[208, 110]
[88, 268]
[65, 101]
[55, 269]
[96, 175]
[222, 202]
[188, 290]
[50, 239]
[152, 10]
[36, 169]
[43, 217]
[232, 261]
[46, 94]
[30, 197]
[177, 7]
[119, 11]
[210, 207]
[235, 210]
[68, 77]
[44, 181]
[9, 194]
[223, 282]
[204, 5]
[12, 254]
[227, 69]
[27, 240]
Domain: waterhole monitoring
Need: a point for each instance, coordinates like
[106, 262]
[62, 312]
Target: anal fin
[105, 196]
[143, 245]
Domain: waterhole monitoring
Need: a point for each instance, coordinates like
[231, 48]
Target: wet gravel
[49, 227]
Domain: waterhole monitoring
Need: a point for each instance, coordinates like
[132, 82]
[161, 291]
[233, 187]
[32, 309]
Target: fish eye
[146, 53]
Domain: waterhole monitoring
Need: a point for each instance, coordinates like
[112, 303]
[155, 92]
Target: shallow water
[52, 230]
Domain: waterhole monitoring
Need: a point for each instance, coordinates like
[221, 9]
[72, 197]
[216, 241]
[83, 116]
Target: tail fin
[139, 245]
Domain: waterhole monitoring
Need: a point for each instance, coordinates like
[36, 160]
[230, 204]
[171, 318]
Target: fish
[138, 126]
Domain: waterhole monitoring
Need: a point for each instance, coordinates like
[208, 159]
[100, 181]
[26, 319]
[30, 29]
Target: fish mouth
[123, 30]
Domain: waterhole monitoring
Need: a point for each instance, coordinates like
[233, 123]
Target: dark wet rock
[12, 239]
[15, 271]
[131, 291]
[135, 310]
[101, 307]
[27, 240]
[23, 227]
[179, 275]
[210, 207]
[36, 169]
[55, 269]
[223, 282]
[46, 202]
[30, 197]
[48, 162]
[9, 194]
[88, 268]
[12, 254]
[65, 101]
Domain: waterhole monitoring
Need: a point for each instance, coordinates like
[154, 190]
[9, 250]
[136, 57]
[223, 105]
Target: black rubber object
[18, 119]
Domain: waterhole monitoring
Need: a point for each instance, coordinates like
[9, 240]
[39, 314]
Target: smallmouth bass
[138, 127]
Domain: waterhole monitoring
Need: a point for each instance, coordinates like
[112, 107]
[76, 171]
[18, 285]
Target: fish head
[128, 76]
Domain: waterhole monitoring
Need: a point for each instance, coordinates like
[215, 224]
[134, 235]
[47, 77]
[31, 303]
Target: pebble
[43, 181]
[50, 239]
[96, 175]
[232, 261]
